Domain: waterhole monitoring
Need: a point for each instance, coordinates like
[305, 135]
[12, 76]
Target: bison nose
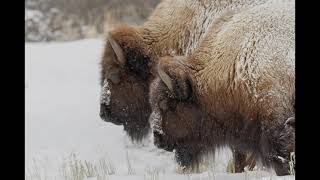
[105, 112]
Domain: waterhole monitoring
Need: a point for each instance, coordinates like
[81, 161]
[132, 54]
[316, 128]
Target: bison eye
[163, 105]
[172, 104]
[114, 78]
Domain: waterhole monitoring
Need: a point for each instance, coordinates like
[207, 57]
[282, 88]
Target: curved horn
[165, 78]
[117, 49]
[290, 121]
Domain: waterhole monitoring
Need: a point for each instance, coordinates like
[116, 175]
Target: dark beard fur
[136, 132]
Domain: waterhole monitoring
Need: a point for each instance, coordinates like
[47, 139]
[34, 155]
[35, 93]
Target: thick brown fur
[175, 27]
[129, 82]
[236, 89]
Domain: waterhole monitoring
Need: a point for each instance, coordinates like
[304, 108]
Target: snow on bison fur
[130, 53]
[237, 89]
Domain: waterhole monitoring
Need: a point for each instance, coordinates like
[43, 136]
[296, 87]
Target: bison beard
[137, 132]
[133, 115]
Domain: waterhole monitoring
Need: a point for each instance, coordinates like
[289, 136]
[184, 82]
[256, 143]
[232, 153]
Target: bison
[237, 89]
[131, 53]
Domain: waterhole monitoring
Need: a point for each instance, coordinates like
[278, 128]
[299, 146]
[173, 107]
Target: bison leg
[278, 143]
[280, 165]
[242, 160]
[239, 161]
[251, 162]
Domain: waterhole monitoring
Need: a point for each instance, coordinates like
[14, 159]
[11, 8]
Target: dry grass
[36, 171]
[131, 170]
[72, 168]
[152, 174]
[75, 169]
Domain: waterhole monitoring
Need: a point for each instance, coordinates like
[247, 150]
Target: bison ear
[116, 49]
[176, 77]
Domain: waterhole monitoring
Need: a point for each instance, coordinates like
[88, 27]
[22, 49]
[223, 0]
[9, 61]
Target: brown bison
[130, 54]
[236, 89]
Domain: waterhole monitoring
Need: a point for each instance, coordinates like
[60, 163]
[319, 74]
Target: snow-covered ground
[65, 136]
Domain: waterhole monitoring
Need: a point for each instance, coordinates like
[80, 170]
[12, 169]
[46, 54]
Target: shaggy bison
[127, 68]
[236, 89]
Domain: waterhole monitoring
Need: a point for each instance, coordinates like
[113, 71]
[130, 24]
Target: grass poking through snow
[130, 167]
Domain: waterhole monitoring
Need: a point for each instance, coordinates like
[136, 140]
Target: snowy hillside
[65, 137]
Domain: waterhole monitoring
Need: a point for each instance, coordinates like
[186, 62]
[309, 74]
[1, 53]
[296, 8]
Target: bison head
[283, 146]
[124, 79]
[173, 99]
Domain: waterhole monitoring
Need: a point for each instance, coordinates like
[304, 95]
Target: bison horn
[290, 121]
[117, 49]
[165, 78]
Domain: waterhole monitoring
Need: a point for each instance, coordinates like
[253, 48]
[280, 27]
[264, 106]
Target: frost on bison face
[185, 123]
[177, 118]
[124, 81]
